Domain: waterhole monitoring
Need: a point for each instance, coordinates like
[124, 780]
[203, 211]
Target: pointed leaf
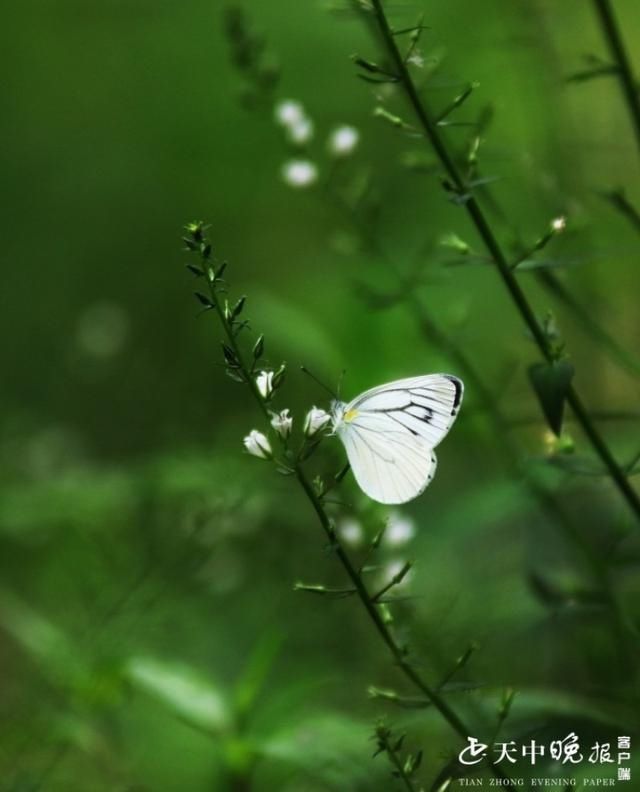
[551, 383]
[190, 696]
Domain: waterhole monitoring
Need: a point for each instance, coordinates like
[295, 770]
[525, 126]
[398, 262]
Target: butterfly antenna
[318, 382]
[340, 380]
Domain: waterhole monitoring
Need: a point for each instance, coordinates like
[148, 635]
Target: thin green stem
[618, 51]
[397, 652]
[233, 343]
[396, 761]
[374, 613]
[554, 286]
[617, 352]
[539, 494]
[498, 257]
[622, 204]
[545, 499]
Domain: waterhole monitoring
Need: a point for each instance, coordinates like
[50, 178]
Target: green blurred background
[151, 639]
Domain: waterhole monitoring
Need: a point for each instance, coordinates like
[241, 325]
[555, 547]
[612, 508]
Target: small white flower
[316, 420]
[343, 141]
[400, 529]
[264, 383]
[301, 131]
[559, 224]
[416, 59]
[258, 445]
[282, 422]
[350, 531]
[289, 112]
[299, 173]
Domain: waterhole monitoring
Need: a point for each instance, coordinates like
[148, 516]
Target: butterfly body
[390, 432]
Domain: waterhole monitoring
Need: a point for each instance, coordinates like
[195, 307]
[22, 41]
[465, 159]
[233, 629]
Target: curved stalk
[618, 51]
[498, 257]
[372, 609]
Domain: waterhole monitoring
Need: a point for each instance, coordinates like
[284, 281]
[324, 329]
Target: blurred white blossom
[343, 140]
[299, 173]
[258, 445]
[103, 329]
[301, 131]
[289, 112]
[559, 224]
[416, 59]
[350, 531]
[315, 420]
[282, 422]
[264, 383]
[400, 529]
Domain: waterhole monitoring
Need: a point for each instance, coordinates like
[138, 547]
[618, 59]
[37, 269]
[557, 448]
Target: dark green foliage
[153, 633]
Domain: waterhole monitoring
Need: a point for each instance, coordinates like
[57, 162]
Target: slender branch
[395, 580]
[499, 258]
[554, 286]
[385, 744]
[617, 49]
[622, 204]
[538, 493]
[398, 652]
[617, 352]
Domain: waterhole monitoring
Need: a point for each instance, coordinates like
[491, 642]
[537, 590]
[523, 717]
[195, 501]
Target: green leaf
[329, 747]
[203, 300]
[551, 383]
[454, 242]
[557, 704]
[530, 264]
[254, 676]
[39, 638]
[258, 348]
[188, 695]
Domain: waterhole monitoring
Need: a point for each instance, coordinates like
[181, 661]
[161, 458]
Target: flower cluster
[257, 444]
[300, 172]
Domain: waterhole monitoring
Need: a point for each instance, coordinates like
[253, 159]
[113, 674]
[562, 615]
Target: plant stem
[397, 652]
[539, 494]
[618, 353]
[617, 49]
[622, 204]
[554, 286]
[396, 762]
[498, 257]
[374, 614]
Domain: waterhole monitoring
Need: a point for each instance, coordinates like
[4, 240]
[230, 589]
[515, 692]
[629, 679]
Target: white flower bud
[316, 420]
[258, 445]
[343, 141]
[301, 132]
[350, 532]
[559, 224]
[400, 529]
[289, 113]
[282, 422]
[299, 173]
[264, 383]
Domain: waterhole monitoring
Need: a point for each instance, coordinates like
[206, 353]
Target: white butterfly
[389, 433]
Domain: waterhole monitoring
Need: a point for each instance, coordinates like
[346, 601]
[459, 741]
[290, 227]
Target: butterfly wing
[389, 434]
[390, 468]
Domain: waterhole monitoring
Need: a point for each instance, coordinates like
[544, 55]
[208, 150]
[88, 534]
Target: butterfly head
[339, 414]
